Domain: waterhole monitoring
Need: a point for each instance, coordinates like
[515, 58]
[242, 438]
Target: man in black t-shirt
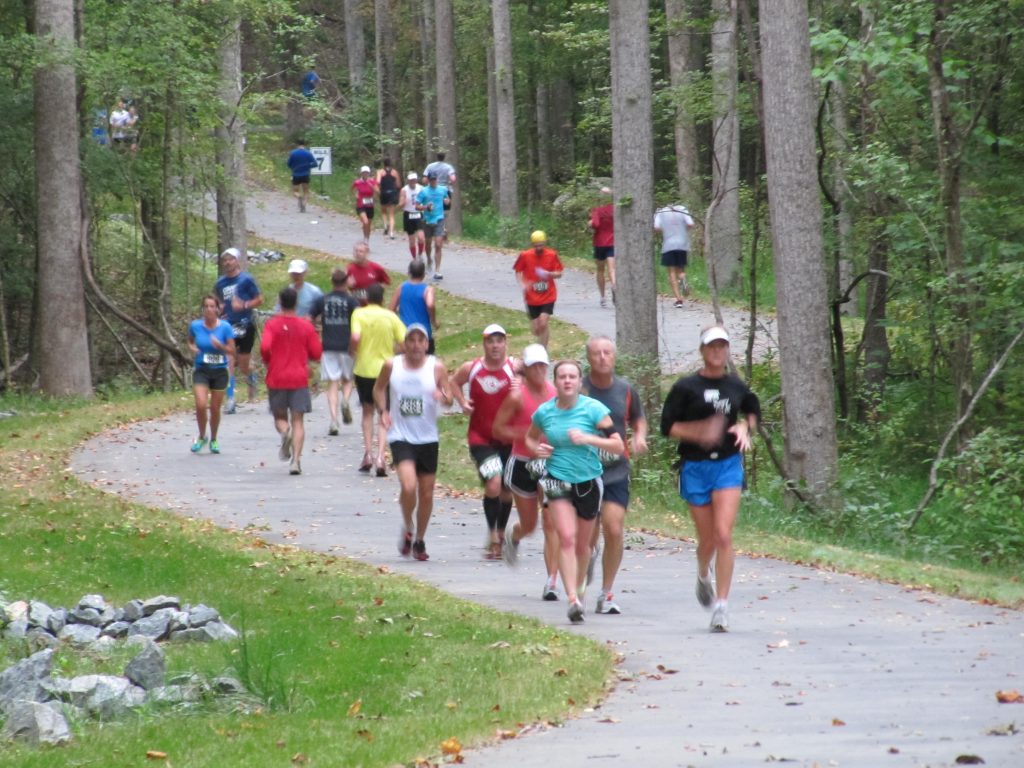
[335, 311]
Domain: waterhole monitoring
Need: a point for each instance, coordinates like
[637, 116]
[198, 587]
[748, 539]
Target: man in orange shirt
[537, 270]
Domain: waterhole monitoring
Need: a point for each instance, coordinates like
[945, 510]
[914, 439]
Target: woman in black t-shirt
[702, 413]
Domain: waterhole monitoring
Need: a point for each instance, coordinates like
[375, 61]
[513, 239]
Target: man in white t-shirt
[674, 223]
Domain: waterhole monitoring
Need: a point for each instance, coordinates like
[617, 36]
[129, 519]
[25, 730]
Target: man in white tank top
[408, 394]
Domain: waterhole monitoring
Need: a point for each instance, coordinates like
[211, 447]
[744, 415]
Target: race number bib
[491, 467]
[239, 330]
[211, 359]
[536, 467]
[410, 406]
[414, 215]
[607, 459]
[555, 488]
[540, 286]
[367, 201]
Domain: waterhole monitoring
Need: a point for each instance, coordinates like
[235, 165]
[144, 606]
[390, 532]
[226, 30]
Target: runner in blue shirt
[430, 200]
[239, 295]
[212, 341]
[301, 162]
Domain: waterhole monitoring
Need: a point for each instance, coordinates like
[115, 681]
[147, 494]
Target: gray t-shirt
[674, 221]
[625, 406]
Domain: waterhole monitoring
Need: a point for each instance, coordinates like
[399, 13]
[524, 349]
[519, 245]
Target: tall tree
[230, 141]
[632, 180]
[387, 104]
[428, 83]
[796, 220]
[725, 164]
[505, 112]
[62, 340]
[681, 43]
[355, 43]
[447, 131]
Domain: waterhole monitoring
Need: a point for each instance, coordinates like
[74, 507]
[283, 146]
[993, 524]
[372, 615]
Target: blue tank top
[412, 307]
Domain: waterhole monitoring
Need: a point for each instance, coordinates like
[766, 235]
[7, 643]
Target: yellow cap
[538, 237]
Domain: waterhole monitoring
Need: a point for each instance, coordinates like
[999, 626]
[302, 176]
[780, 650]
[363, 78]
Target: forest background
[904, 271]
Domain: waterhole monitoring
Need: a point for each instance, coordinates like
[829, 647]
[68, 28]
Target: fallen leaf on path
[155, 755]
[968, 760]
[364, 734]
[837, 721]
[1010, 729]
[354, 707]
[609, 720]
[561, 672]
[451, 746]
[1012, 696]
[505, 735]
[665, 670]
[299, 759]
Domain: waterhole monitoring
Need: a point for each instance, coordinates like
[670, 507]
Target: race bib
[239, 330]
[536, 467]
[554, 488]
[413, 215]
[540, 286]
[491, 467]
[367, 201]
[607, 459]
[211, 359]
[410, 406]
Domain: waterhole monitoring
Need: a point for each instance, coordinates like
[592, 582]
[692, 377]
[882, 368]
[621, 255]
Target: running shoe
[678, 304]
[405, 543]
[606, 604]
[576, 612]
[229, 406]
[285, 451]
[198, 445]
[438, 276]
[419, 550]
[705, 591]
[720, 619]
[346, 413]
[367, 465]
[510, 551]
[381, 472]
[295, 468]
[550, 593]
[214, 446]
[333, 430]
[603, 302]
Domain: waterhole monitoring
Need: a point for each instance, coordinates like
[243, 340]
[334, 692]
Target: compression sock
[505, 511]
[492, 509]
[231, 387]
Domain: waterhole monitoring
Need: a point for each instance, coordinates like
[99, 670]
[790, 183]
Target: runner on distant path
[239, 295]
[301, 162]
[412, 218]
[431, 202]
[537, 270]
[407, 394]
[388, 182]
[568, 432]
[336, 368]
[523, 469]
[362, 273]
[490, 379]
[702, 413]
[365, 189]
[415, 301]
[602, 221]
[674, 223]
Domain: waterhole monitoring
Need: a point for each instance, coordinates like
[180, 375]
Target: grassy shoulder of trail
[351, 665]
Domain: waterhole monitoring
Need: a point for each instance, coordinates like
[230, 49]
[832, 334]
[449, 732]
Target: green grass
[355, 666]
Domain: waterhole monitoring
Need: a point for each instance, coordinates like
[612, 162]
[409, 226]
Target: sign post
[323, 165]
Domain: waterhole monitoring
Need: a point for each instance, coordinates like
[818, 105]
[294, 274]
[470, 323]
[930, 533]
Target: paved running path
[820, 669]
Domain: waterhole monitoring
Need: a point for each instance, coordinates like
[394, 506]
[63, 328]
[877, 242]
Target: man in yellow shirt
[377, 335]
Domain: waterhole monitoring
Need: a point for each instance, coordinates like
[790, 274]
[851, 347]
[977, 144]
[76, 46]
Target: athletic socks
[505, 511]
[492, 510]
[231, 387]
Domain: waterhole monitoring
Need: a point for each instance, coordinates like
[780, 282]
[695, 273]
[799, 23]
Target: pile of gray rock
[36, 706]
[262, 256]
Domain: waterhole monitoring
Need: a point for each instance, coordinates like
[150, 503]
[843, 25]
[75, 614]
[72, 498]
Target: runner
[306, 292]
[301, 162]
[388, 182]
[377, 335]
[567, 432]
[430, 201]
[288, 345]
[523, 469]
[365, 189]
[407, 394]
[414, 301]
[445, 177]
[626, 408]
[674, 223]
[412, 217]
[239, 295]
[602, 221]
[335, 313]
[362, 273]
[212, 342]
[702, 413]
[537, 270]
[490, 379]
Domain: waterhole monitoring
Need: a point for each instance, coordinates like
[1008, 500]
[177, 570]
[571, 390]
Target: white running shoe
[720, 619]
[576, 612]
[606, 604]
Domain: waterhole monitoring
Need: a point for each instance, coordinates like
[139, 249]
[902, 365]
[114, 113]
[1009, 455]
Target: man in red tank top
[490, 378]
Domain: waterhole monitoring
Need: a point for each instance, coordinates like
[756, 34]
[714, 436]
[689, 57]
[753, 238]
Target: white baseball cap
[412, 176]
[297, 266]
[492, 329]
[535, 353]
[714, 333]
[416, 328]
[365, 169]
[234, 252]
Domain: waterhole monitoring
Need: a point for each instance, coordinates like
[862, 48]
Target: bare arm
[502, 427]
[458, 382]
[536, 441]
[428, 299]
[443, 392]
[611, 444]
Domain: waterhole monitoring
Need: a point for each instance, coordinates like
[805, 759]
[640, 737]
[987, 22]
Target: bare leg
[714, 523]
[600, 278]
[673, 279]
[332, 400]
[298, 436]
[438, 245]
[612, 522]
[406, 471]
[216, 399]
[551, 546]
[201, 394]
[426, 505]
[367, 425]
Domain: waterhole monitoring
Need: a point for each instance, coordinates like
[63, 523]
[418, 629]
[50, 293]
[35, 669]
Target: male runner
[537, 269]
[301, 162]
[430, 201]
[602, 221]
[239, 295]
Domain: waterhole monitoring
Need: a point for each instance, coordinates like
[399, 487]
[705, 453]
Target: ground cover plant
[352, 665]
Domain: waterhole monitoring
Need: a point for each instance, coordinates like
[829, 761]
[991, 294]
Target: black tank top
[388, 182]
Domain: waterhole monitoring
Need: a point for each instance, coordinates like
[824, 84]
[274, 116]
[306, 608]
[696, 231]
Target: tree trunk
[563, 96]
[355, 44]
[680, 66]
[493, 164]
[231, 144]
[62, 339]
[427, 82]
[796, 221]
[447, 130]
[387, 105]
[633, 185]
[508, 172]
[725, 167]
[543, 143]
